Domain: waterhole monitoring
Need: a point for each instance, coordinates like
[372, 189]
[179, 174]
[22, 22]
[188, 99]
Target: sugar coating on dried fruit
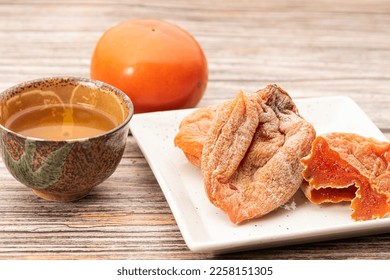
[349, 167]
[251, 151]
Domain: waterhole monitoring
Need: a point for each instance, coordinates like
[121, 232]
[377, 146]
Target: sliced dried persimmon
[349, 167]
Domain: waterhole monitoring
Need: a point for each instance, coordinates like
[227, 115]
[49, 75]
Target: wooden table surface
[310, 48]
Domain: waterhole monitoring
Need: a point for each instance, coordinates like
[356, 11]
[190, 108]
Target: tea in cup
[62, 136]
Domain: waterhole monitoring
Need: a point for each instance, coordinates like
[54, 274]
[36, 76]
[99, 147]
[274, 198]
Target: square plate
[206, 228]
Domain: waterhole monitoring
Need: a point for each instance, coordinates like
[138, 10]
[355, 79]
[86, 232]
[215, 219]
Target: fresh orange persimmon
[157, 64]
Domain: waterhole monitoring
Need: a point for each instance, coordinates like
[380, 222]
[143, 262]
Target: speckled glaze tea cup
[63, 170]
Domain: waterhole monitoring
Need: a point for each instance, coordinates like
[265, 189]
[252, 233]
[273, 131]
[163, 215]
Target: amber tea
[61, 122]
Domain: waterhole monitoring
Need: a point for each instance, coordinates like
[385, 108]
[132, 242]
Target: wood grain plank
[310, 48]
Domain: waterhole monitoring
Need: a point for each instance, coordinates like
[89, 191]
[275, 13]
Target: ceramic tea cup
[61, 136]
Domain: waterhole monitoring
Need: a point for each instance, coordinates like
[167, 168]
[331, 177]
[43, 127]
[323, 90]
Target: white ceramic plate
[208, 229]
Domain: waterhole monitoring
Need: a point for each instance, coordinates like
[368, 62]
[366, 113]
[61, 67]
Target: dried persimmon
[349, 167]
[192, 133]
[249, 151]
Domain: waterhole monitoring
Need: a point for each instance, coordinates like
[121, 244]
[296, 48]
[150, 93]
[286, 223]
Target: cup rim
[97, 83]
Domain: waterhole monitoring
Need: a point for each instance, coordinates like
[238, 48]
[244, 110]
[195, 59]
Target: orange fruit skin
[157, 64]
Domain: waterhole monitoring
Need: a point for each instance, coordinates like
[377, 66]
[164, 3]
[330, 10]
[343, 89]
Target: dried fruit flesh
[349, 167]
[192, 133]
[249, 151]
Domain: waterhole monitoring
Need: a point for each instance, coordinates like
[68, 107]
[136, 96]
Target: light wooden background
[310, 48]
